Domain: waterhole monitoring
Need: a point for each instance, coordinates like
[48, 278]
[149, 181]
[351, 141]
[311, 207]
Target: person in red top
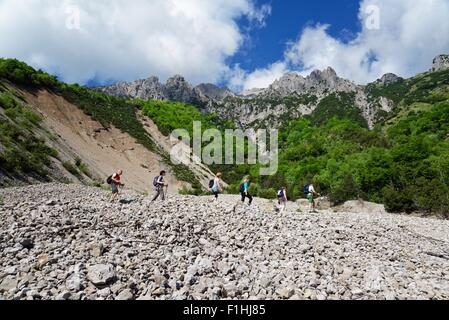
[115, 184]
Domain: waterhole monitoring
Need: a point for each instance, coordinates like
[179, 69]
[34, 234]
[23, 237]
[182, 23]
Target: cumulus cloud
[240, 79]
[398, 36]
[126, 40]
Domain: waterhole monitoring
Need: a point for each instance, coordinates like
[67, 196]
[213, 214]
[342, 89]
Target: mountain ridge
[176, 89]
[245, 108]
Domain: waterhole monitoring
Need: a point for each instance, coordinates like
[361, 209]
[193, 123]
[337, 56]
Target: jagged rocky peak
[178, 89]
[152, 79]
[177, 80]
[149, 88]
[149, 83]
[441, 62]
[389, 78]
[289, 78]
[213, 92]
[251, 93]
[316, 83]
[288, 83]
[328, 75]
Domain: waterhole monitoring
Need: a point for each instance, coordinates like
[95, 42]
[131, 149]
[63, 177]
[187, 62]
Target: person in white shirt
[282, 199]
[311, 197]
[217, 188]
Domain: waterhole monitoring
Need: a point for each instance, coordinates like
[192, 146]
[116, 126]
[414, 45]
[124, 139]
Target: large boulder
[101, 274]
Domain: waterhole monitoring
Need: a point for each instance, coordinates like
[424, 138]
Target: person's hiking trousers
[159, 192]
[247, 195]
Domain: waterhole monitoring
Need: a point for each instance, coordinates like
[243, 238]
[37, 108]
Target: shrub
[397, 200]
[82, 167]
[96, 184]
[343, 189]
[185, 191]
[70, 168]
[267, 193]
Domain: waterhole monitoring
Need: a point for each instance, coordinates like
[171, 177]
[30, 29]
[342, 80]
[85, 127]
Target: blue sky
[242, 44]
[285, 22]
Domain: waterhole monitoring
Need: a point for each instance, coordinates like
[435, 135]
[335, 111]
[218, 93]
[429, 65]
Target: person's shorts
[310, 197]
[114, 188]
[282, 199]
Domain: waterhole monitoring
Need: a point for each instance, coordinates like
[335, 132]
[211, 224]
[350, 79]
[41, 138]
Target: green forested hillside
[403, 162]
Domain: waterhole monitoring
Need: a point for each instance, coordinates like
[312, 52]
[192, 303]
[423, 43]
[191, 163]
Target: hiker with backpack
[215, 186]
[244, 190]
[159, 185]
[309, 191]
[115, 183]
[282, 198]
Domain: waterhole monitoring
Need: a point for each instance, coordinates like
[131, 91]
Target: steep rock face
[149, 88]
[441, 63]
[213, 92]
[318, 82]
[389, 78]
[178, 89]
[175, 89]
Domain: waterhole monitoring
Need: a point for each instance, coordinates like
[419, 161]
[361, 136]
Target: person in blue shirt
[244, 190]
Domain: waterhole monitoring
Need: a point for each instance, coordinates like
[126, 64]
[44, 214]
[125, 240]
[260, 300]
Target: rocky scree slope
[69, 242]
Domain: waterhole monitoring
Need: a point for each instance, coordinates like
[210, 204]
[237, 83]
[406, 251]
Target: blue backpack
[306, 189]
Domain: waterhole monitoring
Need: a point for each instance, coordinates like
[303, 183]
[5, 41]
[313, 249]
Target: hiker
[309, 190]
[159, 184]
[244, 190]
[114, 182]
[215, 186]
[282, 198]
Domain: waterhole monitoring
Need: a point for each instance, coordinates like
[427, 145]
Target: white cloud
[239, 79]
[410, 35]
[125, 40]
